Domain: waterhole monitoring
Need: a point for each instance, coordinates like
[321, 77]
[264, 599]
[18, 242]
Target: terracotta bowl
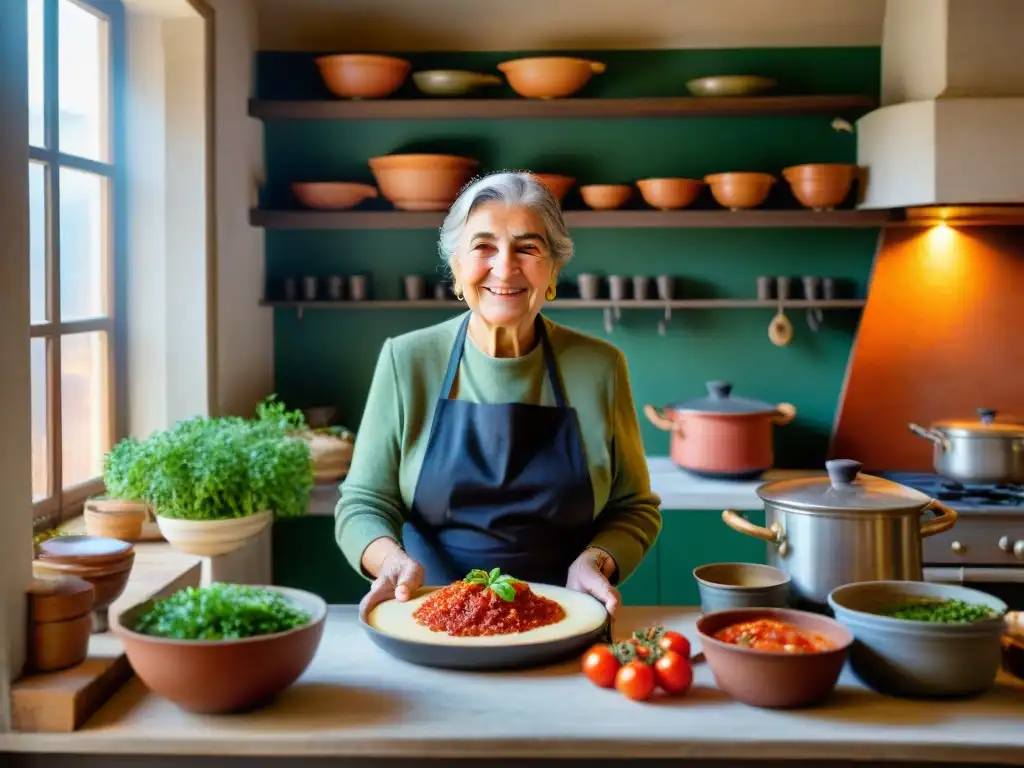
[331, 195]
[422, 182]
[115, 519]
[669, 194]
[774, 680]
[559, 185]
[220, 676]
[361, 75]
[821, 186]
[738, 191]
[549, 77]
[605, 197]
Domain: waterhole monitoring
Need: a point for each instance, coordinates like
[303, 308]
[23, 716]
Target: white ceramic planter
[208, 538]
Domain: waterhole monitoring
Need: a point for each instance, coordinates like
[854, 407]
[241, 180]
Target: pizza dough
[583, 614]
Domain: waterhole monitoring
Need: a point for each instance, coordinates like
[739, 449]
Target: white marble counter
[356, 701]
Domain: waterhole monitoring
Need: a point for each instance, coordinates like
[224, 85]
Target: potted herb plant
[215, 482]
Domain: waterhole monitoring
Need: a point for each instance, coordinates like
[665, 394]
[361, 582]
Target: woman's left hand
[590, 573]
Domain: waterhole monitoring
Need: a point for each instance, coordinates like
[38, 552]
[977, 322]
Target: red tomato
[600, 665]
[674, 641]
[673, 673]
[635, 680]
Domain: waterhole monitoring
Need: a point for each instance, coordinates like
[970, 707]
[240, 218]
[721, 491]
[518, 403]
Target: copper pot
[720, 435]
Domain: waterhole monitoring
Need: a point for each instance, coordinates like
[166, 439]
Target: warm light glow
[940, 251]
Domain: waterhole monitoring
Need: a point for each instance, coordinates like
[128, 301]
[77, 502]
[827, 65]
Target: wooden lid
[84, 549]
[59, 598]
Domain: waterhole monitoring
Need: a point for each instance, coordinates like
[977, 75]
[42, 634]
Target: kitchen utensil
[775, 680]
[666, 287]
[983, 451]
[391, 627]
[740, 585]
[549, 77]
[589, 286]
[358, 287]
[221, 676]
[452, 82]
[812, 286]
[335, 287]
[669, 194]
[765, 287]
[641, 283]
[362, 75]
[441, 289]
[846, 527]
[618, 285]
[919, 659]
[739, 191]
[291, 289]
[605, 197]
[310, 288]
[559, 185]
[415, 287]
[780, 330]
[330, 195]
[421, 182]
[820, 186]
[828, 288]
[721, 435]
[730, 85]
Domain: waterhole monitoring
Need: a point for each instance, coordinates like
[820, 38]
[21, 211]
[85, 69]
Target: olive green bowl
[730, 85]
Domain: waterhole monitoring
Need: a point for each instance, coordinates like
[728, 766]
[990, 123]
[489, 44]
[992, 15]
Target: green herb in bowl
[221, 612]
[940, 611]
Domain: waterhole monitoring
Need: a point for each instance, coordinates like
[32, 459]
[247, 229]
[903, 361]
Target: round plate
[392, 627]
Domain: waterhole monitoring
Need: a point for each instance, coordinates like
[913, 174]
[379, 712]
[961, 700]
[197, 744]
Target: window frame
[62, 503]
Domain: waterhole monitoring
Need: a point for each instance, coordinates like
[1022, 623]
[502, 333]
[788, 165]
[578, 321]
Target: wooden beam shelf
[519, 108]
[450, 305]
[621, 219]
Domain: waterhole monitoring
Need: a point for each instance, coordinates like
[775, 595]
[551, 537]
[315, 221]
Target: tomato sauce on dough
[464, 609]
[773, 635]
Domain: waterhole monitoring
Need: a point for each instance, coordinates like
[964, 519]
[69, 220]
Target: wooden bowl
[606, 197]
[820, 186]
[730, 85]
[422, 182]
[739, 191]
[669, 194]
[363, 76]
[559, 185]
[108, 582]
[332, 195]
[774, 680]
[549, 77]
[87, 551]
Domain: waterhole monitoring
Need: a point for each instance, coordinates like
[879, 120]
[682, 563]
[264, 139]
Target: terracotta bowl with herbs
[223, 647]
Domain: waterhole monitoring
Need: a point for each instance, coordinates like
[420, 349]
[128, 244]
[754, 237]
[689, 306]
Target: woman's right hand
[398, 578]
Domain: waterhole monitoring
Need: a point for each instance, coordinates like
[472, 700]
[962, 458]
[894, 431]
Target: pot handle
[930, 435]
[944, 520]
[774, 535]
[657, 418]
[784, 413]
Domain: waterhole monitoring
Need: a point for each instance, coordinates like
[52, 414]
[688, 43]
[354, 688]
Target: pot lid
[844, 489]
[720, 400]
[985, 425]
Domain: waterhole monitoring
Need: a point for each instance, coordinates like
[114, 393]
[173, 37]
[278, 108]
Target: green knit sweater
[393, 434]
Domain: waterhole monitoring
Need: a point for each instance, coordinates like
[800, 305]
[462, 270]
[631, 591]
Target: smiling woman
[499, 439]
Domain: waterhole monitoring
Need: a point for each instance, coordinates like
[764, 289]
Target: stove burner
[969, 495]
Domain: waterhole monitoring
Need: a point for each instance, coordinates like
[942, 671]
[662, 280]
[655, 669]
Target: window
[74, 171]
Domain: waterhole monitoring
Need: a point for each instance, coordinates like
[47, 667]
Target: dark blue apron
[503, 485]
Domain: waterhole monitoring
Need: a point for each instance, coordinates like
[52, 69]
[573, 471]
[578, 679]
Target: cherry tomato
[600, 665]
[673, 673]
[674, 641]
[635, 680]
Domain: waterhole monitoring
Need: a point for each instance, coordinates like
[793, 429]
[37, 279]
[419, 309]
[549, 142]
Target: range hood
[948, 140]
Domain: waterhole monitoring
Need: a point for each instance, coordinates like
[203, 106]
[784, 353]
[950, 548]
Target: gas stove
[960, 497]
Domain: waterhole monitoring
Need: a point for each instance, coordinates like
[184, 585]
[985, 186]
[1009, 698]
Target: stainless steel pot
[980, 452]
[829, 531]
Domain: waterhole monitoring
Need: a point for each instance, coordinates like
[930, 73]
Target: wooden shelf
[450, 305]
[518, 108]
[622, 219]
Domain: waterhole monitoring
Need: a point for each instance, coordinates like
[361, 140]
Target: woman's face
[503, 264]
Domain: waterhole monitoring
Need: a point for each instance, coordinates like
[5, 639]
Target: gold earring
[457, 290]
[549, 294]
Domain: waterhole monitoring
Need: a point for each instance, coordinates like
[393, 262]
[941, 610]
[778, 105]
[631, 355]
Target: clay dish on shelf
[669, 194]
[606, 197]
[730, 85]
[549, 77]
[362, 75]
[738, 190]
[559, 185]
[422, 182]
[821, 186]
[452, 82]
[332, 195]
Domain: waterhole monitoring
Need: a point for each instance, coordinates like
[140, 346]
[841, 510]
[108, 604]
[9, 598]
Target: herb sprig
[499, 583]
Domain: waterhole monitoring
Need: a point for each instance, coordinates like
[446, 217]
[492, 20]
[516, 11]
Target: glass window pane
[83, 81]
[37, 241]
[36, 135]
[83, 245]
[40, 421]
[85, 406]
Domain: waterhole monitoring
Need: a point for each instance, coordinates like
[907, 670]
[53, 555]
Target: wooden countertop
[356, 701]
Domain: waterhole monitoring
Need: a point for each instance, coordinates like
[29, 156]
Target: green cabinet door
[642, 587]
[305, 556]
[690, 538]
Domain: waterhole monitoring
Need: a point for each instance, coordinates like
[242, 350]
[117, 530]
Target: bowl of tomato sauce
[774, 657]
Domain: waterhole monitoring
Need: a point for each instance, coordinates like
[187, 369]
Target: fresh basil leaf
[505, 591]
[494, 574]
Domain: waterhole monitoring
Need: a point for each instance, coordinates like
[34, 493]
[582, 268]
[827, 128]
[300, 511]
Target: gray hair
[512, 189]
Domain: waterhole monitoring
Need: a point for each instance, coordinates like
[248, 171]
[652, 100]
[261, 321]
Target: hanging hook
[609, 320]
[665, 320]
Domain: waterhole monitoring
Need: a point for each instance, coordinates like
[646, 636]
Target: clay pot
[115, 519]
[738, 191]
[220, 676]
[60, 622]
[331, 195]
[669, 194]
[720, 435]
[559, 185]
[549, 77]
[452, 82]
[208, 538]
[821, 186]
[422, 182]
[605, 197]
[361, 75]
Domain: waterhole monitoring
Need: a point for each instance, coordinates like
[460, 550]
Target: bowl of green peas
[915, 639]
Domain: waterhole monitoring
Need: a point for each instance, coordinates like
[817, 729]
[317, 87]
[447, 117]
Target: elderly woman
[499, 439]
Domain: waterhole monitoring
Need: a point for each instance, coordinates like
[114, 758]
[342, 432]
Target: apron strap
[549, 359]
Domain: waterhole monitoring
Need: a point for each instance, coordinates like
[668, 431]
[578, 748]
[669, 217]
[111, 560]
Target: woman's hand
[590, 573]
[398, 577]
